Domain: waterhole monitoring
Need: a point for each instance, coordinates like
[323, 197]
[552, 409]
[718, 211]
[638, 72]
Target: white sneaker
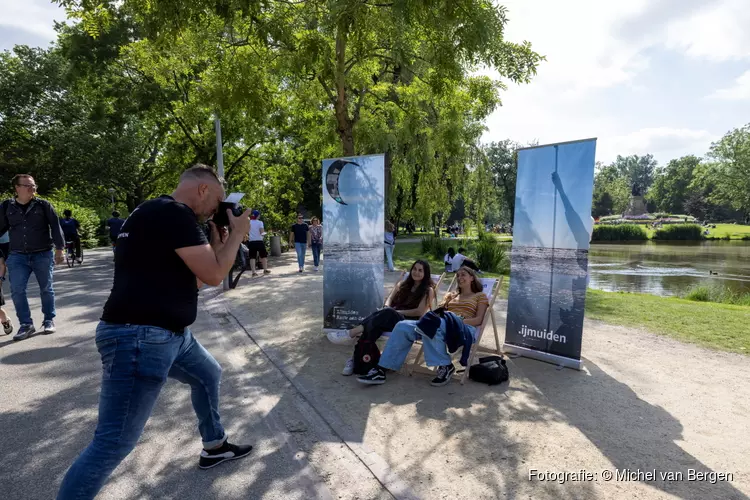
[315, 269]
[348, 368]
[340, 337]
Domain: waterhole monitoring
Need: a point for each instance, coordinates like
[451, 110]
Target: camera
[220, 218]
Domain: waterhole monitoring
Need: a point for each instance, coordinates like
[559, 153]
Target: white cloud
[717, 32]
[577, 40]
[739, 91]
[609, 72]
[34, 17]
[660, 141]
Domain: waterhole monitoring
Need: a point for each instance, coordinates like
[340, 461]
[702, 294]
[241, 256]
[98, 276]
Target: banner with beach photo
[353, 231]
[549, 258]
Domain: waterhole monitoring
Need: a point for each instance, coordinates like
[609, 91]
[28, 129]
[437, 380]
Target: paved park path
[642, 402]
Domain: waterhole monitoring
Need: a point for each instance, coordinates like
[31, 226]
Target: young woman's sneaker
[227, 451]
[8, 327]
[348, 368]
[376, 376]
[340, 337]
[444, 375]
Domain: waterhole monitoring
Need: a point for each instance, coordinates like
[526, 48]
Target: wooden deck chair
[436, 278]
[491, 288]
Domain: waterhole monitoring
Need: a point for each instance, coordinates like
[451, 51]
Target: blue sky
[665, 77]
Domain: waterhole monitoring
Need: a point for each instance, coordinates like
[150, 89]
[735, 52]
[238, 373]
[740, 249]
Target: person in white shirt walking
[256, 245]
[390, 243]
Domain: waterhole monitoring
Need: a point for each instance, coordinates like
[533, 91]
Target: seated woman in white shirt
[461, 260]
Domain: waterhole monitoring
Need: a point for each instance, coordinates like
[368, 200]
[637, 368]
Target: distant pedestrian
[299, 237]
[390, 243]
[4, 318]
[316, 241]
[70, 227]
[162, 257]
[256, 245]
[114, 225]
[34, 229]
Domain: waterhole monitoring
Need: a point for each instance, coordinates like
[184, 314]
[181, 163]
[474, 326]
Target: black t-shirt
[153, 285]
[300, 232]
[115, 225]
[69, 227]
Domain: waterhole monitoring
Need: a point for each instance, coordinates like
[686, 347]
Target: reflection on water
[669, 268]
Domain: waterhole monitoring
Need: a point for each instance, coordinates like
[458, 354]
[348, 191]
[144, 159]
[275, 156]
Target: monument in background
[637, 202]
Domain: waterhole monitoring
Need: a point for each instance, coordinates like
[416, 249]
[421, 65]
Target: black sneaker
[444, 375]
[228, 451]
[8, 327]
[375, 376]
[24, 331]
[48, 326]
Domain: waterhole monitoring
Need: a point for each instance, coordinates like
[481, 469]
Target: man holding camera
[162, 257]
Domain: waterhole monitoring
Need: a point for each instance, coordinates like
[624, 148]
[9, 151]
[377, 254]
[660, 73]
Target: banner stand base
[554, 359]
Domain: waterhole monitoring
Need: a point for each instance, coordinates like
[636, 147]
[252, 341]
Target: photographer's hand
[218, 236]
[211, 263]
[239, 224]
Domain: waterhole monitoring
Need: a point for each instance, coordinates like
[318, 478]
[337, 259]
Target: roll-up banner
[549, 258]
[353, 232]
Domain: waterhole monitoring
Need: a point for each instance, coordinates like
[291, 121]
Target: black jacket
[457, 334]
[34, 231]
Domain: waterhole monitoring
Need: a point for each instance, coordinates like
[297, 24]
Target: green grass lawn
[734, 231]
[718, 326]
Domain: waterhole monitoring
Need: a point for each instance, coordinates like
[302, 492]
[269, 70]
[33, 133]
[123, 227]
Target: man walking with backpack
[34, 229]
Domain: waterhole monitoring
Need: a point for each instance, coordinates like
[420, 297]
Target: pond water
[669, 268]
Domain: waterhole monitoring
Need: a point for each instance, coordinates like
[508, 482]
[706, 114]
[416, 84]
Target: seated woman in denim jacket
[469, 303]
[411, 300]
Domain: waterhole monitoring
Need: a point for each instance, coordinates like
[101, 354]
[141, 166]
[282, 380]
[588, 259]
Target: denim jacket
[34, 231]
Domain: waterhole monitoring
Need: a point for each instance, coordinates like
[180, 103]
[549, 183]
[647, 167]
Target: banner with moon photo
[353, 232]
[549, 259]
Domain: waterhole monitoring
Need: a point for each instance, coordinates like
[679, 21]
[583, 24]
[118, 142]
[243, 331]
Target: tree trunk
[344, 122]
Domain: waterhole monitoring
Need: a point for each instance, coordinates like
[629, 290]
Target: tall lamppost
[112, 197]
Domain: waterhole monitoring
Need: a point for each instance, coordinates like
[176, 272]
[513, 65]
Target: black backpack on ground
[366, 356]
[490, 370]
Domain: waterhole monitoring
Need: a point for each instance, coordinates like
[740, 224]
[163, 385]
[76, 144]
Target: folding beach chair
[491, 288]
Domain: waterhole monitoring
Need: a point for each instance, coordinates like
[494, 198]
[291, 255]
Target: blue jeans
[400, 342]
[301, 248]
[136, 361]
[20, 267]
[316, 253]
[389, 255]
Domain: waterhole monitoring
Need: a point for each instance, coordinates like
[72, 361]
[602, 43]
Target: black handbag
[491, 370]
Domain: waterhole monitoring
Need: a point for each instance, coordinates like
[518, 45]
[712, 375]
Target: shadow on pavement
[468, 432]
[44, 434]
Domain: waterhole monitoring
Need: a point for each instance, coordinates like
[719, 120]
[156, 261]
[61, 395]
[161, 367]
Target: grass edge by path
[716, 326]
